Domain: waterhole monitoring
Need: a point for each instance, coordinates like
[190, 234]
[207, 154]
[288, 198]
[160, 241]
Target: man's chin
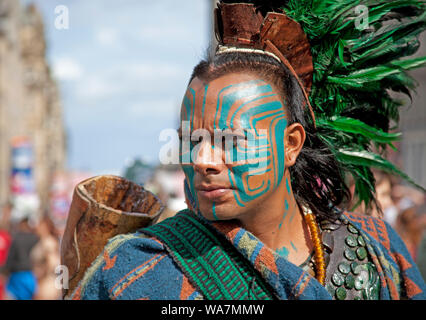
[219, 212]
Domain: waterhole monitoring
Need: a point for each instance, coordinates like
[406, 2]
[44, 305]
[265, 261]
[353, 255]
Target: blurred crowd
[30, 250]
[29, 255]
[404, 208]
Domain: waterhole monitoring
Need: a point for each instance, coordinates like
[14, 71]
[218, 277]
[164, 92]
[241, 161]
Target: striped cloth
[136, 266]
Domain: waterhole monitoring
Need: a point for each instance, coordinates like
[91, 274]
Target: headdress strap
[240, 28]
[271, 47]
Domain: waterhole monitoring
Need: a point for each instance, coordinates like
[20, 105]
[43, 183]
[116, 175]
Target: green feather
[355, 126]
[369, 159]
[355, 73]
[361, 77]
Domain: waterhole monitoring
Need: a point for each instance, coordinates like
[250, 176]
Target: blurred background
[86, 87]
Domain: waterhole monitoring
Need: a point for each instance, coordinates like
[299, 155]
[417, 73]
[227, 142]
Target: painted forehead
[230, 102]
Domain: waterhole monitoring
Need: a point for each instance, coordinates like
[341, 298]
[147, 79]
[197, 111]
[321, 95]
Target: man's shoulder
[381, 232]
[399, 264]
[122, 254]
[376, 228]
[132, 241]
[125, 251]
[140, 244]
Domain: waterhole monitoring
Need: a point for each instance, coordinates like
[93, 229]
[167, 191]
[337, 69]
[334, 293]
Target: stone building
[29, 98]
[413, 126]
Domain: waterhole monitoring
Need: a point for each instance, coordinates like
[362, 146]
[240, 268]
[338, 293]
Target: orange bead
[318, 248]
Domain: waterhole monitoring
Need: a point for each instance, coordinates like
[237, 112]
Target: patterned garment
[138, 267]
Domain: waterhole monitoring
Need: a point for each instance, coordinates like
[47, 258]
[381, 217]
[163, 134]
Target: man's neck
[280, 225]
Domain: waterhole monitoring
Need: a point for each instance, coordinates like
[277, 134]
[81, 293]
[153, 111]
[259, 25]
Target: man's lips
[213, 192]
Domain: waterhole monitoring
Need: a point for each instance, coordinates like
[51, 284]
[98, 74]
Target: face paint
[287, 185]
[214, 212]
[254, 165]
[285, 213]
[282, 220]
[185, 147]
[293, 214]
[283, 252]
[250, 105]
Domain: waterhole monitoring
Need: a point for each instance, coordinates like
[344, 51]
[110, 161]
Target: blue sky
[123, 67]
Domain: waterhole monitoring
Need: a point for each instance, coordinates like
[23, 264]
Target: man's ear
[294, 138]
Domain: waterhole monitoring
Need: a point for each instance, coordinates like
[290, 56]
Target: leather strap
[272, 48]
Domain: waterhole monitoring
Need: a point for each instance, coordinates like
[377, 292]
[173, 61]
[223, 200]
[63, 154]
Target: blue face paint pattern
[282, 220]
[214, 211]
[246, 106]
[251, 102]
[287, 185]
[283, 252]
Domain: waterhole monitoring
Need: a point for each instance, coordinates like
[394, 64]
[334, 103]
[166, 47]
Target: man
[264, 185]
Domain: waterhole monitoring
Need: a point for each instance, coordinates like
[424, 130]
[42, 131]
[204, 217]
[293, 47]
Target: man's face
[238, 162]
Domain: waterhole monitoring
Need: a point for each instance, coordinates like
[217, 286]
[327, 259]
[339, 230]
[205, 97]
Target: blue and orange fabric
[136, 266]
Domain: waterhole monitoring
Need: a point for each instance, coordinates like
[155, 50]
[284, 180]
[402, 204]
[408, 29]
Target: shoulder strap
[210, 262]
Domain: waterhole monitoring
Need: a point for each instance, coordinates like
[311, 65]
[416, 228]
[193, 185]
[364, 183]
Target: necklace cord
[318, 247]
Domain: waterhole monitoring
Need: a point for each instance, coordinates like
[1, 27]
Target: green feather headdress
[359, 51]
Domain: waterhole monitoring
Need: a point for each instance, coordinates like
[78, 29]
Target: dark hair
[316, 178]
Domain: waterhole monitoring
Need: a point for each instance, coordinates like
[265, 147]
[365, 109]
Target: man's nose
[208, 159]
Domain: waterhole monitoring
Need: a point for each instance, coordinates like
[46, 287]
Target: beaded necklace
[318, 247]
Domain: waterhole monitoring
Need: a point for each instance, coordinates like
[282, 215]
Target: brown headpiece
[239, 25]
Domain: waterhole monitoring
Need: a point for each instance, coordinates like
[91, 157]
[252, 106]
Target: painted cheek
[263, 165]
[186, 145]
[276, 131]
[255, 179]
[189, 175]
[250, 178]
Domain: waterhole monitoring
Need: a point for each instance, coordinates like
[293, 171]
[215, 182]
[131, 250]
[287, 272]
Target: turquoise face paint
[254, 108]
[285, 214]
[204, 100]
[214, 212]
[283, 252]
[288, 186]
[293, 246]
[291, 218]
[282, 220]
[186, 146]
[252, 103]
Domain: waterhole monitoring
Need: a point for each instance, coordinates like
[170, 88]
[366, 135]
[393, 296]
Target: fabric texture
[209, 260]
[136, 266]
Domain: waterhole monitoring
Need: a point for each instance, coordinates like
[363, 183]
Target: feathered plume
[359, 51]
